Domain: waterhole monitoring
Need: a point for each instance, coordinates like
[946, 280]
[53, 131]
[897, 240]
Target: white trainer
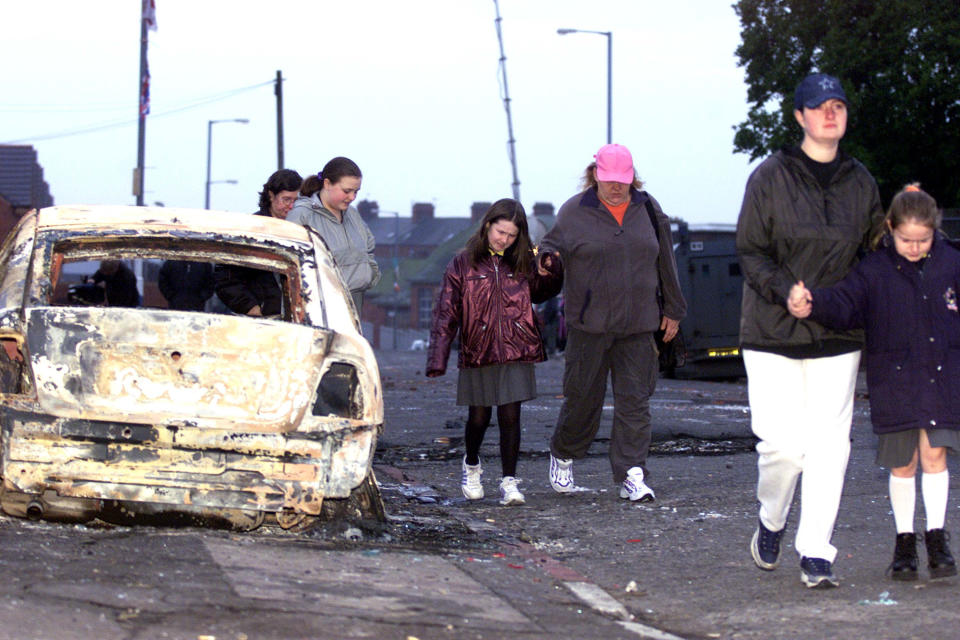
[635, 488]
[561, 474]
[509, 494]
[470, 480]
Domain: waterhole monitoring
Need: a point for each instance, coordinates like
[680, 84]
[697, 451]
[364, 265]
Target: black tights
[508, 419]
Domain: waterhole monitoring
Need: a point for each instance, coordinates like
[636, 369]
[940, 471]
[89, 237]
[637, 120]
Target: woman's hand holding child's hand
[544, 263]
[800, 301]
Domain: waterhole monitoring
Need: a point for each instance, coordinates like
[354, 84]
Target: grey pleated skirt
[496, 384]
[896, 449]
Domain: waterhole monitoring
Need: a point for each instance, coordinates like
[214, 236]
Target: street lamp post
[609, 35]
[210, 123]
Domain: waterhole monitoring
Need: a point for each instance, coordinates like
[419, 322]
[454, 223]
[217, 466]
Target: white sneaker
[634, 487]
[509, 494]
[470, 480]
[561, 474]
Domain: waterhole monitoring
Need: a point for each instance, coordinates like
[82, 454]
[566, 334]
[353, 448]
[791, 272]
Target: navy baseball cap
[817, 89]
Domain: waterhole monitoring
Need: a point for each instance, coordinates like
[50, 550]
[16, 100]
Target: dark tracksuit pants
[632, 363]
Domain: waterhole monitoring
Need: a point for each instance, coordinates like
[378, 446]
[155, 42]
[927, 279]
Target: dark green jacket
[791, 229]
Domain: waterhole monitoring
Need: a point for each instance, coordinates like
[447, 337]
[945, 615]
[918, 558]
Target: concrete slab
[383, 586]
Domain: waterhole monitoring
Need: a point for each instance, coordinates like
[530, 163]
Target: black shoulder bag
[673, 354]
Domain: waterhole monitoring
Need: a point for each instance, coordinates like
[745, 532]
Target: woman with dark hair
[487, 295]
[325, 205]
[255, 292]
[280, 193]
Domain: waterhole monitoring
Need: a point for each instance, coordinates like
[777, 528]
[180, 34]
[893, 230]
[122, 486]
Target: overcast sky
[410, 90]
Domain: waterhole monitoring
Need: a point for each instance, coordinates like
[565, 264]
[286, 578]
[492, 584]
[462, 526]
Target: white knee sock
[935, 487]
[903, 499]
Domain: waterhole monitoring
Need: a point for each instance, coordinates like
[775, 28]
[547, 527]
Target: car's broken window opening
[74, 259]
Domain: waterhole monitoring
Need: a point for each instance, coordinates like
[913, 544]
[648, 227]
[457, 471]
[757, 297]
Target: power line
[32, 108]
[199, 102]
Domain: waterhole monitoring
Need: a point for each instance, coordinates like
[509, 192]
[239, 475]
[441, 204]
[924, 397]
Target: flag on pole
[145, 90]
[150, 14]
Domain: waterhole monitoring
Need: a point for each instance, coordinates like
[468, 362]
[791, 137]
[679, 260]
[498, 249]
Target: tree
[899, 63]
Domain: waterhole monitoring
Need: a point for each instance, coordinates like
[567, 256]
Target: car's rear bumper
[189, 466]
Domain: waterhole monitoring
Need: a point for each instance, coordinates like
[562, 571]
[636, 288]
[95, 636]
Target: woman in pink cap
[616, 249]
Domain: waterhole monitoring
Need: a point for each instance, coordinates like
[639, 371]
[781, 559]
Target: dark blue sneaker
[817, 573]
[765, 547]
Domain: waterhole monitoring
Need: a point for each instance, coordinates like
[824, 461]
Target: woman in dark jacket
[487, 296]
[614, 242]
[186, 285]
[905, 296]
[255, 292]
[808, 212]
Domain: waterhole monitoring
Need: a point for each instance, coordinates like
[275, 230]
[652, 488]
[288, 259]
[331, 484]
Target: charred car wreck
[132, 414]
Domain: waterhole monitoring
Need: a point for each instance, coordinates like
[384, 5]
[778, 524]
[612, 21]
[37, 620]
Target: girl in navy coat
[905, 297]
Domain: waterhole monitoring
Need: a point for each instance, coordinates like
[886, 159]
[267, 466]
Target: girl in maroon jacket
[904, 295]
[487, 295]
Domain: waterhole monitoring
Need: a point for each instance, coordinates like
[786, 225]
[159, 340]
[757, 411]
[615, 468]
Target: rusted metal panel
[133, 221]
[149, 366]
[14, 263]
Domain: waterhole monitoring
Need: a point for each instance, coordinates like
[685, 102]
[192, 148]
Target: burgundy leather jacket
[492, 307]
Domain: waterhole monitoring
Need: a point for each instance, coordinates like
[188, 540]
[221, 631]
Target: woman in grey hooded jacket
[325, 205]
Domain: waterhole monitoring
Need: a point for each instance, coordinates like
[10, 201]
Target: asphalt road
[681, 564]
[587, 565]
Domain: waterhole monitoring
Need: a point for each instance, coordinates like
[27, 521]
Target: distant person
[905, 296]
[808, 213]
[614, 261]
[256, 292]
[487, 298]
[119, 284]
[550, 316]
[186, 285]
[561, 326]
[324, 205]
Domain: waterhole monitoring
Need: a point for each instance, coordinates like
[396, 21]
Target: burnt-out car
[143, 413]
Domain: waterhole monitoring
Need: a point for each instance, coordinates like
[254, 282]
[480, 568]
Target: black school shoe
[904, 565]
[939, 559]
[817, 573]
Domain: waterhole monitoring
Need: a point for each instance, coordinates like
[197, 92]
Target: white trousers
[801, 410]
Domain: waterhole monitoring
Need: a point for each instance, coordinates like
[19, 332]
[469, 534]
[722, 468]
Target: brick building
[22, 186]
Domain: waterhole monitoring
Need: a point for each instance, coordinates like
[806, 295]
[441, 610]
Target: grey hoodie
[350, 242]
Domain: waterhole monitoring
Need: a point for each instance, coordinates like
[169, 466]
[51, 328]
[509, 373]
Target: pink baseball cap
[615, 164]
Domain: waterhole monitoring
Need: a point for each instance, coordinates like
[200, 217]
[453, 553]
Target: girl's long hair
[914, 204]
[517, 255]
[910, 204]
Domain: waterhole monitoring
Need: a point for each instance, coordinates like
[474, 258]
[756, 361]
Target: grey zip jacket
[612, 271]
[350, 241]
